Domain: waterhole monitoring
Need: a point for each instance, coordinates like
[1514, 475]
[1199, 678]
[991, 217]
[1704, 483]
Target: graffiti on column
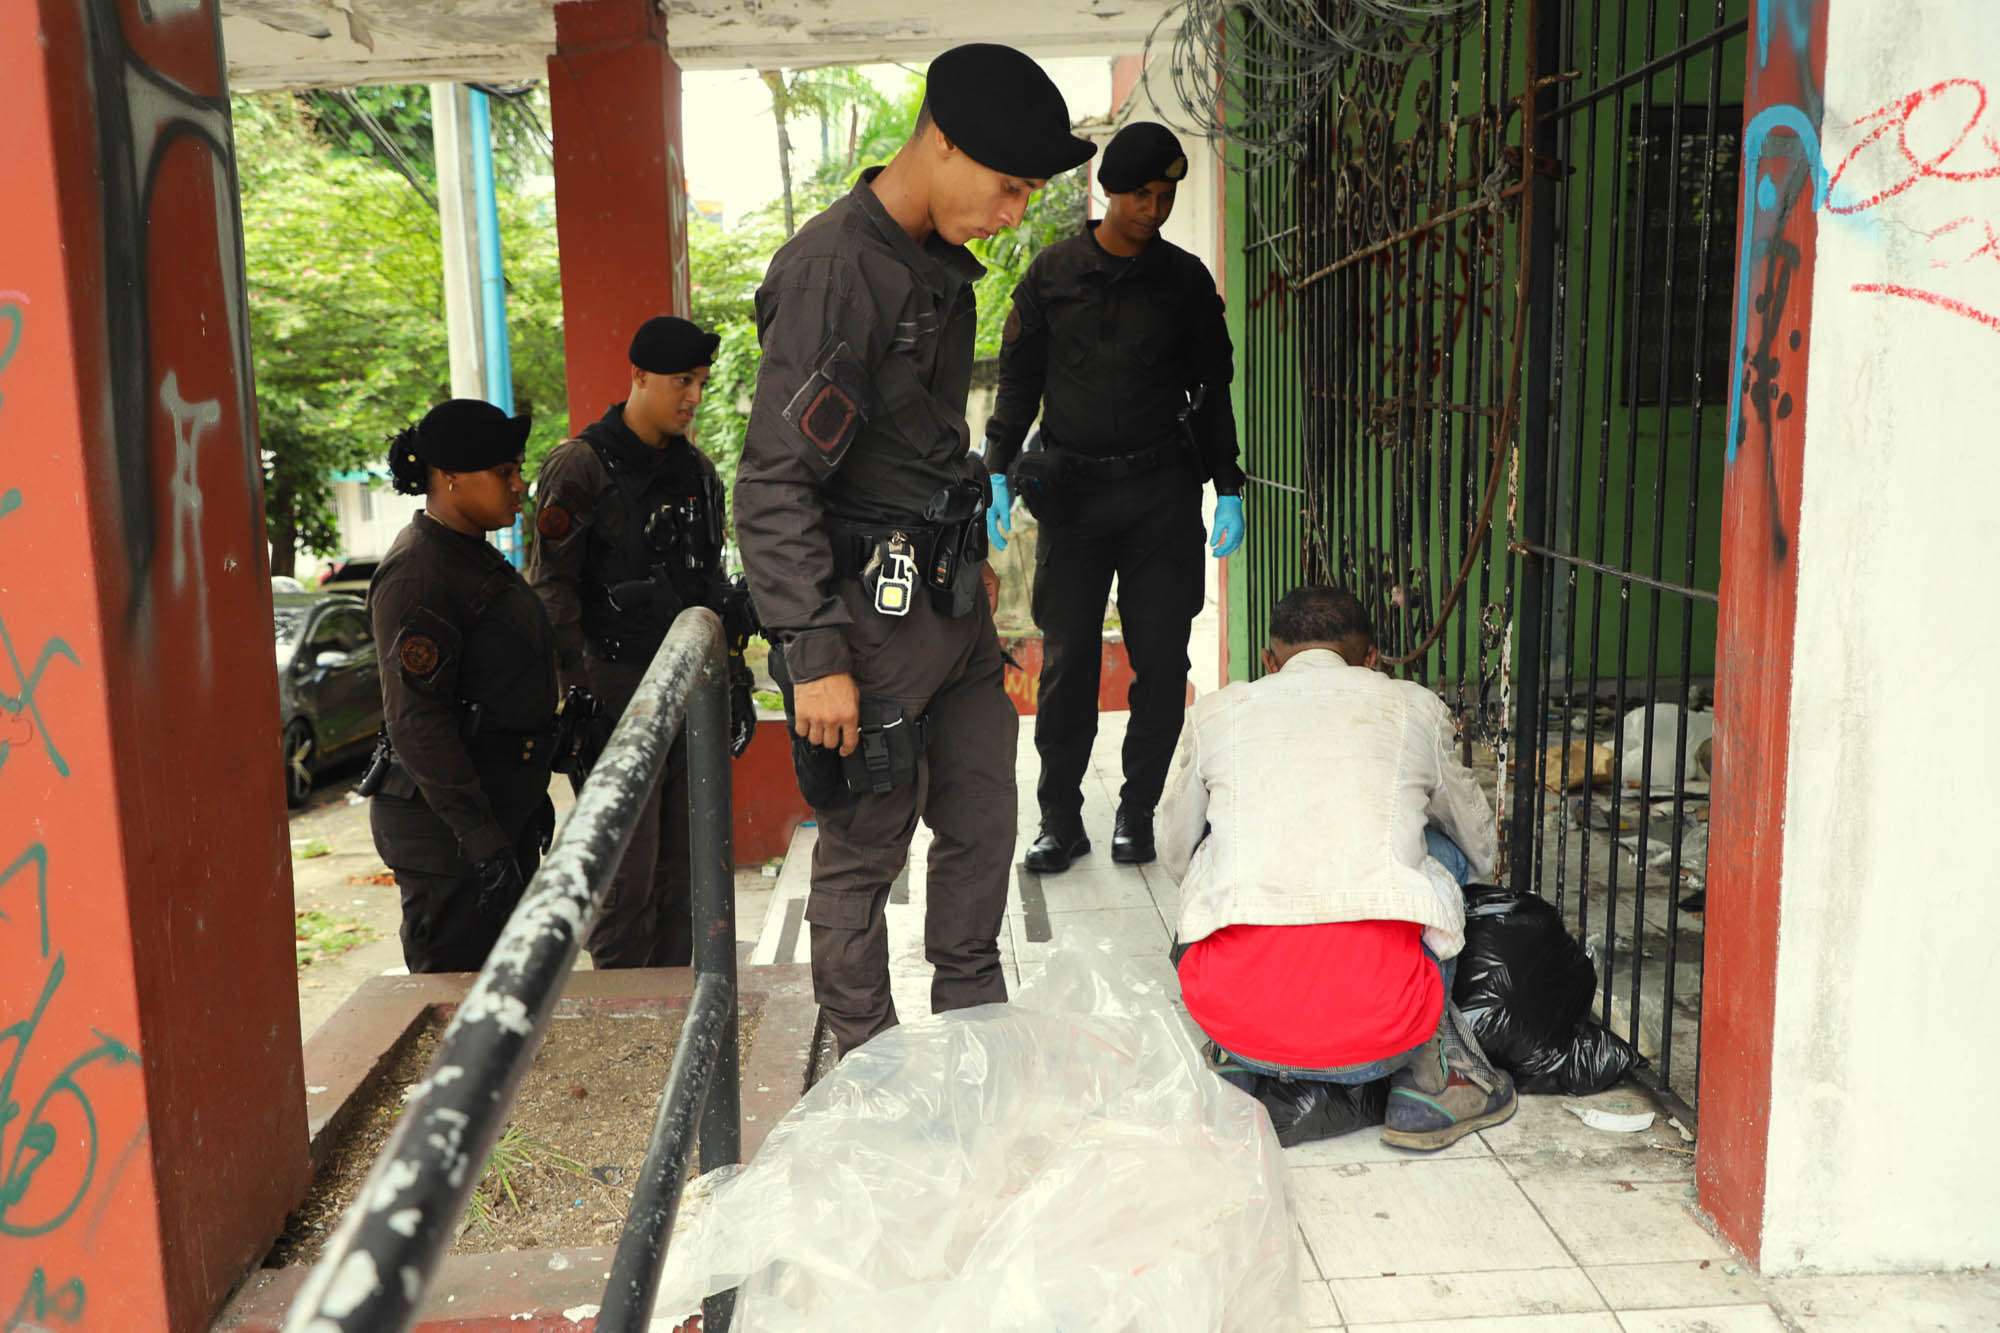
[189, 421]
[141, 115]
[1782, 165]
[1916, 162]
[48, 1125]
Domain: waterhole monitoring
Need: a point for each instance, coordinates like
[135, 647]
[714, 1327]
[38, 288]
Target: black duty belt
[1115, 467]
[854, 540]
[513, 747]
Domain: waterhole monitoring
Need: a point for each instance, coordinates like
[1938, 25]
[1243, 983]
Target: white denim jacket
[1302, 798]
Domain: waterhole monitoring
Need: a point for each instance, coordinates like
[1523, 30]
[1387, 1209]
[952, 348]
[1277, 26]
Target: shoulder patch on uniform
[554, 521]
[828, 408]
[419, 654]
[828, 418]
[425, 647]
[1011, 330]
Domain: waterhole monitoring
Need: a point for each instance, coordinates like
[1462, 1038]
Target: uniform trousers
[446, 927]
[647, 917]
[1147, 531]
[950, 671]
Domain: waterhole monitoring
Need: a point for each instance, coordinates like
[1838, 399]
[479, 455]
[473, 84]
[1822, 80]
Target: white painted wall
[1885, 1083]
[367, 526]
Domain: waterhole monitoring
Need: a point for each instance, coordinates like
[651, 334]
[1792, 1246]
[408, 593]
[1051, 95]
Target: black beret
[467, 435]
[668, 344]
[1140, 154]
[1004, 111]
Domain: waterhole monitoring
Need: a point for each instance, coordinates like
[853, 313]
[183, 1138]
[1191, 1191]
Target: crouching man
[1320, 829]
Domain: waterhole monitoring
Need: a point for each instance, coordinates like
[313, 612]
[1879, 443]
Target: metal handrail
[375, 1271]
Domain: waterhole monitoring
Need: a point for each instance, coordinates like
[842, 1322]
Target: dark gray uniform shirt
[1116, 347]
[859, 411]
[464, 629]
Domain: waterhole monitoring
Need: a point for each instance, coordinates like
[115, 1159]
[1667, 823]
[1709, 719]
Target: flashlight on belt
[891, 575]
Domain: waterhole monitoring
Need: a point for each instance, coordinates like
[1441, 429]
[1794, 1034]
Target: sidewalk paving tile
[1364, 1147]
[1134, 932]
[1386, 1300]
[1620, 1222]
[1670, 1285]
[1868, 1304]
[1710, 1319]
[1317, 1303]
[1529, 1323]
[1379, 1221]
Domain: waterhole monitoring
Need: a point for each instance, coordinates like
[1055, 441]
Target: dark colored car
[350, 574]
[329, 684]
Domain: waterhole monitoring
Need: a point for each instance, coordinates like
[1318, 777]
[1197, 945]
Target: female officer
[468, 691]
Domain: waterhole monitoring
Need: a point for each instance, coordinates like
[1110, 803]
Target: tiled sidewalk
[1542, 1225]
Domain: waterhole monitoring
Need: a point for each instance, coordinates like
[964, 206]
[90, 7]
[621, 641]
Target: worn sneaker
[1426, 1121]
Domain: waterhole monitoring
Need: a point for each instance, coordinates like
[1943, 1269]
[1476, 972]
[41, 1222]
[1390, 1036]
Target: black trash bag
[1525, 985]
[1302, 1111]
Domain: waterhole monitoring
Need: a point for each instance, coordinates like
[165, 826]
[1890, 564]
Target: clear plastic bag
[1064, 1162]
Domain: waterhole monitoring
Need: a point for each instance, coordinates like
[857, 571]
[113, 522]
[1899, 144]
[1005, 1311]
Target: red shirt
[1314, 997]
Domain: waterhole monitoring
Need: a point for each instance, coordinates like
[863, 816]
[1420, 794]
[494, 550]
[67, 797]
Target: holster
[579, 740]
[378, 767]
[1041, 478]
[892, 743]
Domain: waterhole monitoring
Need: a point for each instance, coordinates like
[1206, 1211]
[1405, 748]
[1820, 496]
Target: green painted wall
[1608, 453]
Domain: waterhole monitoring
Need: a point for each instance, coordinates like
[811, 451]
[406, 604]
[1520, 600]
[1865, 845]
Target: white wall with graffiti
[1883, 1083]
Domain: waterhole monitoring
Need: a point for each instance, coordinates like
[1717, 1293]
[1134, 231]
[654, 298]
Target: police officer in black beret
[628, 534]
[461, 810]
[858, 509]
[1117, 339]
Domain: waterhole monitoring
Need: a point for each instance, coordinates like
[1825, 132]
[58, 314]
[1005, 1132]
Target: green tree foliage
[346, 293]
[864, 126]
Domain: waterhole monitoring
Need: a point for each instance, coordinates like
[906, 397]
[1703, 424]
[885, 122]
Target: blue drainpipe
[492, 285]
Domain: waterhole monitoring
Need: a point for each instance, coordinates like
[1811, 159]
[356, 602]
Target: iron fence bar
[1607, 397]
[374, 1272]
[703, 1088]
[1633, 352]
[1662, 438]
[1544, 49]
[1646, 71]
[1570, 558]
[1562, 50]
[1689, 562]
[1572, 581]
[642, 1248]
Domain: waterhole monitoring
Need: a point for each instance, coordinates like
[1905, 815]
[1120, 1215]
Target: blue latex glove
[999, 514]
[1229, 529]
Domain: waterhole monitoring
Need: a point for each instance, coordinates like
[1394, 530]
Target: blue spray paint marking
[1747, 246]
[1798, 18]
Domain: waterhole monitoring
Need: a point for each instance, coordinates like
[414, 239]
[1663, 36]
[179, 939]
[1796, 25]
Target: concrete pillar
[457, 218]
[152, 1108]
[1846, 1071]
[621, 201]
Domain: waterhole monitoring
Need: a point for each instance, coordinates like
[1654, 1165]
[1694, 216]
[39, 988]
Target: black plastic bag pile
[1526, 985]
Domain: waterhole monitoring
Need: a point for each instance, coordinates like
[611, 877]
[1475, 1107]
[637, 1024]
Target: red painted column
[1754, 655]
[152, 1106]
[621, 200]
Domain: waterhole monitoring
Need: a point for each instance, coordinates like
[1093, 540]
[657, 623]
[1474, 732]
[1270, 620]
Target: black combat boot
[1132, 837]
[1056, 847]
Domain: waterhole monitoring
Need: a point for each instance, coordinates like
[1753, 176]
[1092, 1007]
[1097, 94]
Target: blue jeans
[1242, 1071]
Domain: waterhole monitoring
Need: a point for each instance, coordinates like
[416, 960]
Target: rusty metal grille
[1483, 288]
